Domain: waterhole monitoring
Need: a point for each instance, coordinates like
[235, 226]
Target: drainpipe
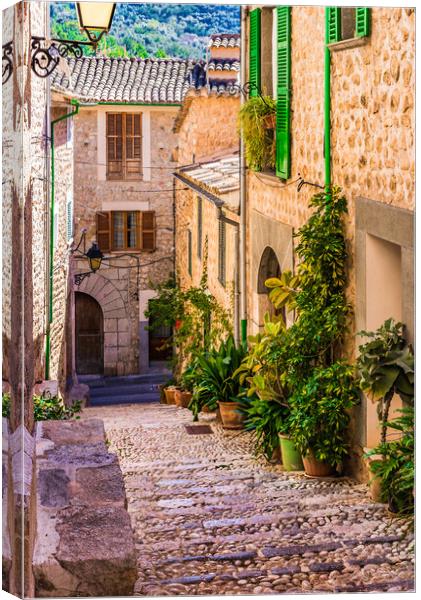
[243, 189]
[75, 103]
[327, 106]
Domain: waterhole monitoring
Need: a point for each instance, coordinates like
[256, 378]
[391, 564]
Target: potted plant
[320, 416]
[386, 369]
[217, 384]
[257, 121]
[394, 472]
[188, 378]
[264, 369]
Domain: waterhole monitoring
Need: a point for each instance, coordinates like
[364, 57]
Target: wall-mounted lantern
[95, 257]
[95, 19]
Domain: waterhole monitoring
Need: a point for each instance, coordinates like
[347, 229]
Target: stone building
[207, 178]
[123, 199]
[369, 56]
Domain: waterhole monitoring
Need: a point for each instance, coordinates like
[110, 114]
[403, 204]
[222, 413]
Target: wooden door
[89, 335]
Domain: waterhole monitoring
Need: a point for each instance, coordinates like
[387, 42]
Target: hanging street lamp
[95, 18]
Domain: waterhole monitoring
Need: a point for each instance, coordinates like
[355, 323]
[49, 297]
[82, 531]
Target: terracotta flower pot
[230, 415]
[182, 398]
[316, 468]
[169, 394]
[291, 457]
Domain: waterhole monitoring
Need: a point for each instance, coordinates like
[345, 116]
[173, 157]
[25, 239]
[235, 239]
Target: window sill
[130, 251]
[351, 43]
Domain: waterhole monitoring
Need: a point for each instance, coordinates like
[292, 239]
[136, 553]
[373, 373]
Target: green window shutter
[189, 252]
[333, 33]
[362, 22]
[283, 99]
[69, 215]
[254, 51]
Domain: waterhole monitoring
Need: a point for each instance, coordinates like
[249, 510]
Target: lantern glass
[97, 16]
[95, 263]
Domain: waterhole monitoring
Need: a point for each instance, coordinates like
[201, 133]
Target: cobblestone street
[211, 519]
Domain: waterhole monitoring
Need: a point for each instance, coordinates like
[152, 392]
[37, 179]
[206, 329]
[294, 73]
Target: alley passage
[211, 519]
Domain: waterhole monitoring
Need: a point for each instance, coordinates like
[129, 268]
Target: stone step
[133, 389]
[106, 400]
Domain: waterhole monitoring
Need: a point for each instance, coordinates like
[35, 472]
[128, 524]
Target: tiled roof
[227, 40]
[223, 64]
[219, 177]
[101, 79]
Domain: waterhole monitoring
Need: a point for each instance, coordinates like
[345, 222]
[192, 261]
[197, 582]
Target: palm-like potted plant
[217, 385]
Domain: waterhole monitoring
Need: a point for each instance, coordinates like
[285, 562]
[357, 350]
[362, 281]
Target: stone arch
[266, 233]
[117, 342]
[269, 267]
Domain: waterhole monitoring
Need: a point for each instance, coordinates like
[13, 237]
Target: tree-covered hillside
[177, 30]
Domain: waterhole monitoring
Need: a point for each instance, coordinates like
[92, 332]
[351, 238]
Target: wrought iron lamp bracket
[245, 90]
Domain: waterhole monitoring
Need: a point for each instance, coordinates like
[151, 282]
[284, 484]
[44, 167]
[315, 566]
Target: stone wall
[123, 353]
[84, 543]
[207, 125]
[372, 139]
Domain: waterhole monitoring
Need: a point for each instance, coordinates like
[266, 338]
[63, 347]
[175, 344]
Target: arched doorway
[89, 335]
[269, 267]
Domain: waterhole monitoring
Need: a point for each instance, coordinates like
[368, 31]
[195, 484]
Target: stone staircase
[131, 389]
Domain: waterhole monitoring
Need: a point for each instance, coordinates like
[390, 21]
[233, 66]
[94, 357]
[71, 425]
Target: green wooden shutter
[254, 51]
[283, 100]
[333, 33]
[362, 22]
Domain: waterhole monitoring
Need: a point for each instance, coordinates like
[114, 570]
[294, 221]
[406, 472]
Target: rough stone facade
[372, 140]
[199, 139]
[84, 541]
[120, 286]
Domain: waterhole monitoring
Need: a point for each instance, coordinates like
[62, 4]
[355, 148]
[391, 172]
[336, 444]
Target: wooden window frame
[125, 174]
[362, 27]
[108, 230]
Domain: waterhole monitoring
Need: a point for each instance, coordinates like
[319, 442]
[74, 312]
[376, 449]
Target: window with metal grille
[222, 253]
[189, 252]
[124, 146]
[126, 230]
[199, 226]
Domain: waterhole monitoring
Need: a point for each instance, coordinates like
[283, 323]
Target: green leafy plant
[386, 368]
[47, 408]
[320, 412]
[216, 379]
[284, 290]
[265, 419]
[260, 145]
[396, 470]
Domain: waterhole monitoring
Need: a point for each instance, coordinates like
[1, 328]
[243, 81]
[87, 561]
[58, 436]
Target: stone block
[100, 486]
[88, 431]
[97, 546]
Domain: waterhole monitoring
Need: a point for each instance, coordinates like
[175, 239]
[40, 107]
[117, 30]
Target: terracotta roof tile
[101, 79]
[226, 40]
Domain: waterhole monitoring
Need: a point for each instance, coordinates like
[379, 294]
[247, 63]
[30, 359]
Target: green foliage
[215, 378]
[396, 470]
[265, 366]
[284, 290]
[265, 419]
[46, 409]
[260, 144]
[319, 418]
[197, 320]
[386, 367]
[179, 30]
